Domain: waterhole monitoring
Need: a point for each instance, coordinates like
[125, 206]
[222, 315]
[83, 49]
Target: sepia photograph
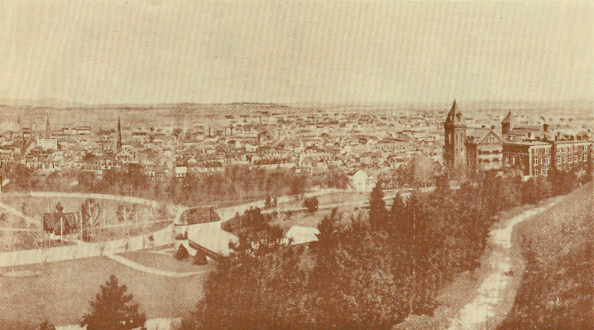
[306, 164]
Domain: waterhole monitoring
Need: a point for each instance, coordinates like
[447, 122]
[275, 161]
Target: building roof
[302, 234]
[509, 119]
[455, 115]
[199, 215]
[529, 143]
[211, 237]
[52, 220]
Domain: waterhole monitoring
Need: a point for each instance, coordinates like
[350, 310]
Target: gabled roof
[302, 234]
[52, 220]
[483, 139]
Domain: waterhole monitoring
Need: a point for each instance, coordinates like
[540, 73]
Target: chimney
[546, 127]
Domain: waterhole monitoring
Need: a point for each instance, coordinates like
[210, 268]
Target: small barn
[53, 221]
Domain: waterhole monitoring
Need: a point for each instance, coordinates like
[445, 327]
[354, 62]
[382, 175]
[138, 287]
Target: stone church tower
[454, 150]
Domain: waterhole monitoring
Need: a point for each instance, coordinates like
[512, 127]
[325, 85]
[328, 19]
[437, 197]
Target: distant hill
[41, 103]
[239, 107]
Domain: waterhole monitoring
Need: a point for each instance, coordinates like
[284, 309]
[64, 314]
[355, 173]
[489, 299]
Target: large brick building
[532, 150]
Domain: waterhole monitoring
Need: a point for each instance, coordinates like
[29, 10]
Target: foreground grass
[62, 292]
[557, 287]
[165, 261]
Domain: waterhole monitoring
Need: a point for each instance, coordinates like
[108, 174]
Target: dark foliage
[46, 325]
[113, 309]
[181, 253]
[361, 274]
[311, 204]
[200, 258]
[377, 207]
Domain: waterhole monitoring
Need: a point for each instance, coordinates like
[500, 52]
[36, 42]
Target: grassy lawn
[165, 261]
[303, 218]
[557, 289]
[63, 291]
[331, 198]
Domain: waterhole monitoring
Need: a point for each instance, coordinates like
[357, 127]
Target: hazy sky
[161, 51]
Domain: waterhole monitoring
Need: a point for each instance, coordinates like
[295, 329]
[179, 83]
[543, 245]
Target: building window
[546, 161]
[575, 158]
[544, 171]
[558, 160]
[585, 157]
[535, 161]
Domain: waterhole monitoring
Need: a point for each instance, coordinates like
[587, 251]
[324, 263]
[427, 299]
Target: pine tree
[200, 258]
[113, 309]
[181, 253]
[378, 214]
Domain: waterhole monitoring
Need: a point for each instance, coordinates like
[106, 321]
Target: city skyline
[159, 52]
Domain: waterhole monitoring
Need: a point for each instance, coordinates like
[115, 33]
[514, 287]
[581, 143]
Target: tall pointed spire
[48, 132]
[508, 119]
[119, 142]
[455, 116]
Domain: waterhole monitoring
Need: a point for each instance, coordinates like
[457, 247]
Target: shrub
[311, 204]
[182, 253]
[46, 325]
[200, 258]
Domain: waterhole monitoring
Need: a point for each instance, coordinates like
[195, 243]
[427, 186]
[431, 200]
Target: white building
[46, 144]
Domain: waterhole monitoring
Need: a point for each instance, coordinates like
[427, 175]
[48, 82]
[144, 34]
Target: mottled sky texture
[160, 51]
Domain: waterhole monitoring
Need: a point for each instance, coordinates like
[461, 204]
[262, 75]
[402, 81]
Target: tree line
[365, 272]
[234, 183]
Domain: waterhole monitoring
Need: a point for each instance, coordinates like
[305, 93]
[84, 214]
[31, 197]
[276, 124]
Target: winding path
[481, 311]
[150, 270]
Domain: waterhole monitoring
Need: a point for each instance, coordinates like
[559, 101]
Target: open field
[62, 292]
[557, 290]
[286, 220]
[330, 198]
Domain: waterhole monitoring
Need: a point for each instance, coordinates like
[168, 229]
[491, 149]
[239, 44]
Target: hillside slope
[557, 286]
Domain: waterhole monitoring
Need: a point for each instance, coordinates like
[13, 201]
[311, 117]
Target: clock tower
[454, 150]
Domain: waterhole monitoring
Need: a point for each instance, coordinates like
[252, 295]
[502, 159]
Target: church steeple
[48, 132]
[454, 149]
[455, 116]
[507, 124]
[119, 137]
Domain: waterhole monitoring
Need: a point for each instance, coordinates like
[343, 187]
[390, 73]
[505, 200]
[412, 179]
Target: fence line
[70, 252]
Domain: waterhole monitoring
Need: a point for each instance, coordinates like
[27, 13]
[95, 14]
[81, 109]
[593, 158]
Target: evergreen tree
[378, 214]
[181, 253]
[200, 258]
[113, 309]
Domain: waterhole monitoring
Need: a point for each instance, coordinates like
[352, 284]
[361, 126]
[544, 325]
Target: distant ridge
[465, 106]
